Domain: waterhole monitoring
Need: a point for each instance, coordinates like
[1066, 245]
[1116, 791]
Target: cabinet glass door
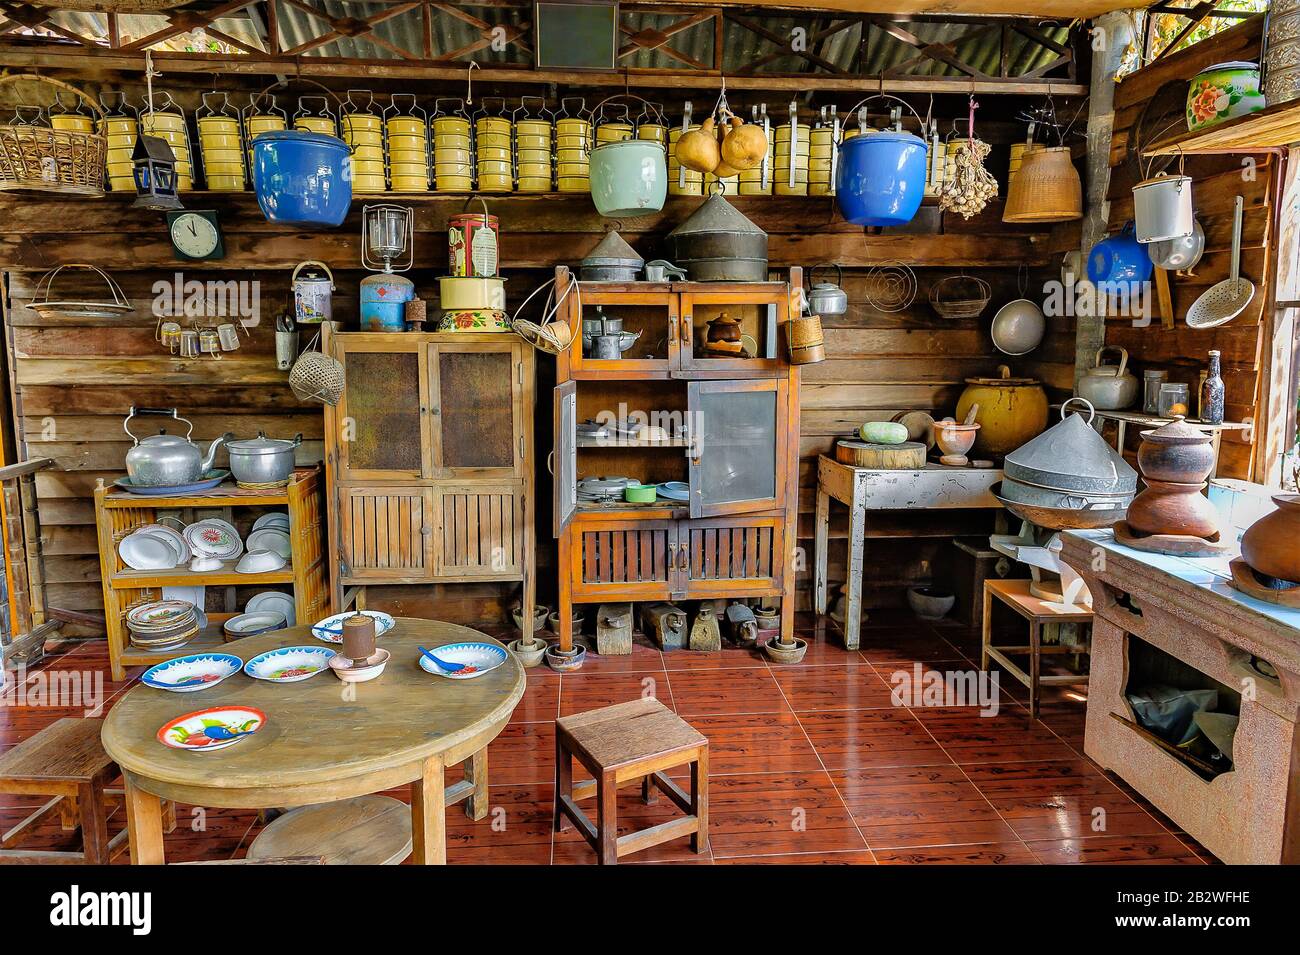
[733, 333]
[476, 407]
[737, 445]
[564, 459]
[380, 415]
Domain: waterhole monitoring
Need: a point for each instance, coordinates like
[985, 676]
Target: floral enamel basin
[193, 672]
[214, 538]
[211, 729]
[331, 628]
[477, 658]
[289, 664]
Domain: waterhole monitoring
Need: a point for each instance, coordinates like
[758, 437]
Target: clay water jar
[1170, 507]
[1270, 544]
[1177, 452]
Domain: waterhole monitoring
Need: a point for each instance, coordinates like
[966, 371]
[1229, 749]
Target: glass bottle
[1212, 393]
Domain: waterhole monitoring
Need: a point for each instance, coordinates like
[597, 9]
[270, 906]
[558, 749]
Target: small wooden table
[866, 489]
[323, 740]
[1015, 594]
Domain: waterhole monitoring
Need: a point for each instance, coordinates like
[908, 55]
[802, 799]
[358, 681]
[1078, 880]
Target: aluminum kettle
[827, 298]
[167, 460]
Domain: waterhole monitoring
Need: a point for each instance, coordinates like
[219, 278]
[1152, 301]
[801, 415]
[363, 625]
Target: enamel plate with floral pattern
[331, 628]
[476, 658]
[289, 664]
[193, 672]
[213, 538]
[213, 728]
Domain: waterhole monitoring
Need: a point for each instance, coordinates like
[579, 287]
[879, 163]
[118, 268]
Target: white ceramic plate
[383, 623]
[147, 552]
[173, 535]
[275, 602]
[187, 674]
[270, 538]
[481, 657]
[212, 538]
[272, 519]
[289, 664]
[196, 595]
[249, 624]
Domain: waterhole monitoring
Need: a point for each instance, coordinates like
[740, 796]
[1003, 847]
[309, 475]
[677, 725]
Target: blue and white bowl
[483, 657]
[321, 629]
[195, 671]
[289, 664]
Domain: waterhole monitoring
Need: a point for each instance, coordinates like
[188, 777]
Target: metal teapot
[827, 298]
[167, 460]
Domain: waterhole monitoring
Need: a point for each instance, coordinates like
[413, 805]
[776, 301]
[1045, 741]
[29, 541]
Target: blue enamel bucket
[880, 178]
[302, 179]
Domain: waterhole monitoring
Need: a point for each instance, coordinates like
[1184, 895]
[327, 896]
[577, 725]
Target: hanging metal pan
[1224, 301]
[44, 307]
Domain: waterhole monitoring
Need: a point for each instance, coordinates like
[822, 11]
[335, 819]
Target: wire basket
[891, 286]
[960, 296]
[40, 159]
[316, 376]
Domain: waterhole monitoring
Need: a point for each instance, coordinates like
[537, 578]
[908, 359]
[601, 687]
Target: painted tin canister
[302, 178]
[312, 293]
[472, 245]
[629, 178]
[1162, 208]
[383, 302]
[880, 179]
[1222, 92]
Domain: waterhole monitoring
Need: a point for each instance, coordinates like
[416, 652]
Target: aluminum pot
[628, 178]
[1162, 208]
[718, 244]
[262, 460]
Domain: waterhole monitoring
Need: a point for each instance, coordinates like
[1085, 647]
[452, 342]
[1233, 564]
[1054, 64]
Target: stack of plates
[682, 182]
[121, 133]
[453, 159]
[153, 547]
[163, 624]
[364, 133]
[602, 490]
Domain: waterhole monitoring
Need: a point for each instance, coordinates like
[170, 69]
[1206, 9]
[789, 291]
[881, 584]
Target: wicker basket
[1046, 188]
[960, 296]
[806, 340]
[40, 159]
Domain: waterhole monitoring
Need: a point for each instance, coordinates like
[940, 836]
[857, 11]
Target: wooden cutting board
[908, 456]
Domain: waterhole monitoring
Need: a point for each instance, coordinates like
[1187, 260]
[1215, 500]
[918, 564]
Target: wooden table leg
[429, 815]
[144, 824]
[822, 530]
[986, 627]
[476, 772]
[563, 776]
[1035, 664]
[94, 823]
[853, 589]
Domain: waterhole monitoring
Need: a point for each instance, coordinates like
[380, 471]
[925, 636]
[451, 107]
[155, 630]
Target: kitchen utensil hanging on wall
[880, 176]
[1224, 301]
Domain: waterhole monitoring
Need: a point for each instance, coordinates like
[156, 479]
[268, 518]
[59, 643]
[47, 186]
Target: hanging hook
[469, 83]
[149, 74]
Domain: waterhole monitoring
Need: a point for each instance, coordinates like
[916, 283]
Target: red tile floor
[808, 764]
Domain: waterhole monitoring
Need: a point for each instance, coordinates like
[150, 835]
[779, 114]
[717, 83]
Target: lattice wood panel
[730, 553]
[386, 531]
[481, 533]
[625, 556]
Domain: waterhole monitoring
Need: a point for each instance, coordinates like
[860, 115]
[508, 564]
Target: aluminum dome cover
[1071, 456]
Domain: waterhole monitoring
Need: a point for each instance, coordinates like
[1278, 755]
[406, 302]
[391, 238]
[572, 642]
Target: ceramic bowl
[194, 672]
[289, 664]
[272, 539]
[345, 671]
[779, 652]
[1222, 92]
[324, 629]
[211, 729]
[928, 603]
[272, 519]
[529, 657]
[260, 562]
[253, 623]
[478, 659]
[562, 662]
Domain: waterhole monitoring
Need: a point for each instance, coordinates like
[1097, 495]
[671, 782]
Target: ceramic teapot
[166, 460]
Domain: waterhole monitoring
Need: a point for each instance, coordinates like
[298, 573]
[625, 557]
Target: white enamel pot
[1162, 208]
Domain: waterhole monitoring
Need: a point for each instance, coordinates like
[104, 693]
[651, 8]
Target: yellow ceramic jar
[1012, 410]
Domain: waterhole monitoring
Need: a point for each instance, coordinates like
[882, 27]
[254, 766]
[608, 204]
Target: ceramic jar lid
[1177, 431]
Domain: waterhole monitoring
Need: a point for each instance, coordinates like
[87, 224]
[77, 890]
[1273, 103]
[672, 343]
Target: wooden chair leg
[607, 819]
[1035, 665]
[649, 791]
[986, 628]
[476, 772]
[700, 801]
[169, 816]
[563, 781]
[69, 813]
[94, 823]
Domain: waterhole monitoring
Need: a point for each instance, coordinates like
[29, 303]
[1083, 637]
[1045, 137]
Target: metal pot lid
[261, 445]
[612, 251]
[1071, 456]
[1161, 178]
[716, 215]
[1177, 431]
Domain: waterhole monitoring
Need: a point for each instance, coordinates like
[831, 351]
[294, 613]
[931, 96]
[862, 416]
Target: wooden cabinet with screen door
[722, 427]
[429, 454]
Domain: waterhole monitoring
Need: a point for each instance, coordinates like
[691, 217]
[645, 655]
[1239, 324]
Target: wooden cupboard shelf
[184, 577]
[1270, 128]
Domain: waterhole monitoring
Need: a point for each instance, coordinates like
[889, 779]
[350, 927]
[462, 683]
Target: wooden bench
[623, 743]
[1015, 594]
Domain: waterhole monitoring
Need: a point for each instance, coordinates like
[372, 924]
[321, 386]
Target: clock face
[194, 235]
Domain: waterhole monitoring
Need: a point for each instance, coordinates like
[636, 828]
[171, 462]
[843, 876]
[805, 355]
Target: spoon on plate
[448, 667]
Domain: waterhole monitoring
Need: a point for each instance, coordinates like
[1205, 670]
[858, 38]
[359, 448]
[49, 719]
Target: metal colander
[1224, 301]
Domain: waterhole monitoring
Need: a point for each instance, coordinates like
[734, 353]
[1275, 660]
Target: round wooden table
[323, 739]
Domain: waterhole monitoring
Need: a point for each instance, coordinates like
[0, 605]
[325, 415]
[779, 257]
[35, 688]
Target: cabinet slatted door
[745, 554]
[387, 531]
[635, 561]
[481, 531]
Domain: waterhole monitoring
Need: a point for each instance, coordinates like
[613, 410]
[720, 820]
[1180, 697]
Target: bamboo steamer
[1046, 188]
[805, 339]
[908, 456]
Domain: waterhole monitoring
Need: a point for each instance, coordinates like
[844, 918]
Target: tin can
[472, 245]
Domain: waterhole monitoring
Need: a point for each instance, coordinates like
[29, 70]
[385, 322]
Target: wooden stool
[1015, 594]
[65, 760]
[618, 744]
[366, 830]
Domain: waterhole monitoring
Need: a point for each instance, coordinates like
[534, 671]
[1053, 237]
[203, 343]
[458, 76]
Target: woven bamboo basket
[1046, 188]
[806, 341]
[960, 296]
[40, 159]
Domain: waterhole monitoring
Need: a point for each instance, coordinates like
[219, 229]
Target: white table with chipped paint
[877, 489]
[323, 740]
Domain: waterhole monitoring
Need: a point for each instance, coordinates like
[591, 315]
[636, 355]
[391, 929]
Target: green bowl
[640, 493]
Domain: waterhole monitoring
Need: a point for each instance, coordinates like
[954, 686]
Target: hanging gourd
[745, 145]
[968, 186]
[698, 148]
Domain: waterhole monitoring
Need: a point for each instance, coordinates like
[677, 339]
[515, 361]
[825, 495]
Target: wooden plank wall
[74, 380]
[1180, 349]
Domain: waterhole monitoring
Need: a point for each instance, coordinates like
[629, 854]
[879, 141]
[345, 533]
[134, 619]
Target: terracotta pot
[1167, 507]
[1269, 545]
[1177, 452]
[1012, 410]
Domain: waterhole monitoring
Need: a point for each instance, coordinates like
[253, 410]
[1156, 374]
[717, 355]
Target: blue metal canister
[383, 302]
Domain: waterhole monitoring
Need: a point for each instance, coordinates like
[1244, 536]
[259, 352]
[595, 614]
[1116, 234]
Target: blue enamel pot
[880, 178]
[1119, 259]
[302, 179]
